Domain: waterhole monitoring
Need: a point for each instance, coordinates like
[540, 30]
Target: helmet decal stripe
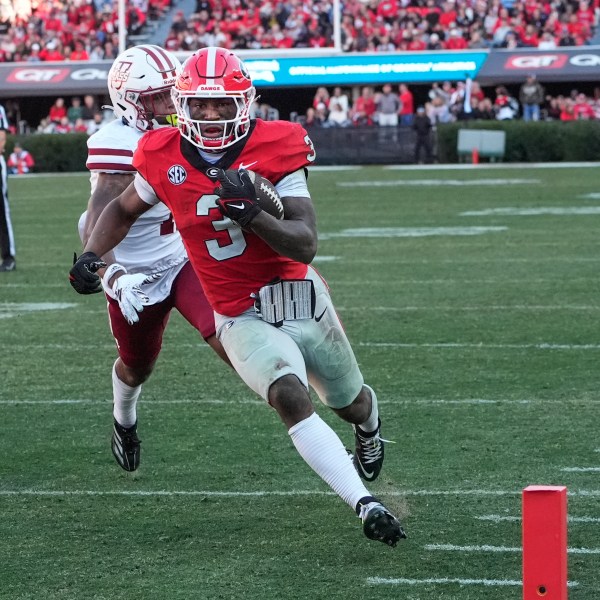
[211, 62]
[162, 68]
[170, 64]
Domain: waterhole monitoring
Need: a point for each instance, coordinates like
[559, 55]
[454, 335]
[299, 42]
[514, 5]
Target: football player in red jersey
[273, 312]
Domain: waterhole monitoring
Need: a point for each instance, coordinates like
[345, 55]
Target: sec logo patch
[177, 174]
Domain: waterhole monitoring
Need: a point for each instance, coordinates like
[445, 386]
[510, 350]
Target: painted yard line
[537, 211]
[233, 401]
[441, 581]
[467, 261]
[581, 470]
[268, 493]
[541, 346]
[493, 166]
[487, 548]
[409, 232]
[441, 345]
[437, 182]
[448, 580]
[492, 307]
[448, 280]
[507, 518]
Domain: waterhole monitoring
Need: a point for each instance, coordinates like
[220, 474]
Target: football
[266, 195]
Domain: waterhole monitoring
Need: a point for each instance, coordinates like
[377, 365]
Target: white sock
[124, 400]
[321, 448]
[373, 421]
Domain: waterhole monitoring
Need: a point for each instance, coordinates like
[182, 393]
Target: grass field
[471, 297]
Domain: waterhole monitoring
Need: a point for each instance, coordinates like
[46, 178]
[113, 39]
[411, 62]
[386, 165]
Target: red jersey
[231, 263]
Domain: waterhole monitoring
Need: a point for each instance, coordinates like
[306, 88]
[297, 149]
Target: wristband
[110, 272]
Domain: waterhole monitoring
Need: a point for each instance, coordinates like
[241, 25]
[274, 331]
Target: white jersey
[153, 244]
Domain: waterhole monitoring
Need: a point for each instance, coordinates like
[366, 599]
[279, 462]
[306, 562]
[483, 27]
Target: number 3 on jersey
[228, 245]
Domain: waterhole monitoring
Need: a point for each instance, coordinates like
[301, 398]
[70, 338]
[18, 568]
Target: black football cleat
[379, 524]
[125, 446]
[8, 264]
[368, 454]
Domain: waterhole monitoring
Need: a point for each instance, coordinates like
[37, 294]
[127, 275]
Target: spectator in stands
[388, 107]
[547, 41]
[582, 108]
[63, 126]
[567, 112]
[338, 117]
[89, 108]
[407, 107]
[95, 124]
[79, 53]
[75, 111]
[363, 109]
[505, 106]
[422, 126]
[321, 97]
[339, 111]
[57, 111]
[531, 97]
[439, 111]
[20, 160]
[313, 118]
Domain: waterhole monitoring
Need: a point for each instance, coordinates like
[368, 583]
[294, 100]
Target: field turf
[471, 298]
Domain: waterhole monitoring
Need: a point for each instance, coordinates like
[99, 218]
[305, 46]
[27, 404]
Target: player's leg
[336, 377]
[7, 240]
[187, 296]
[270, 363]
[138, 346]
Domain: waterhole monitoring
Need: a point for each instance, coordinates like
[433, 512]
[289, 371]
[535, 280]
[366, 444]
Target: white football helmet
[214, 73]
[139, 83]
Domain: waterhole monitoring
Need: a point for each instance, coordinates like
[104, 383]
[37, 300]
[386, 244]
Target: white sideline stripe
[581, 470]
[496, 166]
[487, 548]
[508, 518]
[445, 346]
[446, 580]
[249, 401]
[526, 212]
[32, 306]
[243, 401]
[440, 581]
[398, 282]
[267, 493]
[437, 182]
[492, 307]
[544, 346]
[409, 232]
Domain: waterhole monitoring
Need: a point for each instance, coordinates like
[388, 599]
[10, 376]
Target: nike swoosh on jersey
[317, 319]
[243, 166]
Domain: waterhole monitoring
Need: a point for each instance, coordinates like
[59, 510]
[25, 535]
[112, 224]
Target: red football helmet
[213, 73]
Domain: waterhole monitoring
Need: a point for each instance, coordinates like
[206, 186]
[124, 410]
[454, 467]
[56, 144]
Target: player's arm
[115, 221]
[112, 226]
[108, 187]
[295, 236]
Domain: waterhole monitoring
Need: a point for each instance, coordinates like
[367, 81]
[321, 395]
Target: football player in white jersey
[148, 273]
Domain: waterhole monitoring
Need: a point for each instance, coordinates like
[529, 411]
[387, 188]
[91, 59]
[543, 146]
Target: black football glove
[237, 196]
[82, 275]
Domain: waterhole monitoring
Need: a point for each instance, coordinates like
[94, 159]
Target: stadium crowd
[87, 29]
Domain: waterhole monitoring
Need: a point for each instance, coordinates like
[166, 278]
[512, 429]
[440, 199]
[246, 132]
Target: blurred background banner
[48, 79]
[581, 63]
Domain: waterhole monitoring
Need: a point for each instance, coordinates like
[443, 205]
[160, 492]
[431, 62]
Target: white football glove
[128, 292]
